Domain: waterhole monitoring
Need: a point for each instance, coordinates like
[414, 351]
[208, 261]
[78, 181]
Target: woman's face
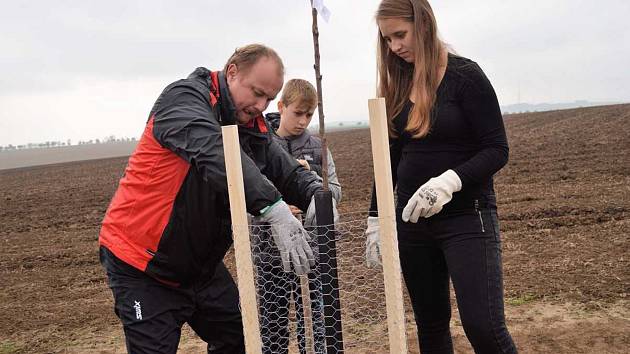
[398, 33]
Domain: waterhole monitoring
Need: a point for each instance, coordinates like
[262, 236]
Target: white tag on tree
[322, 9]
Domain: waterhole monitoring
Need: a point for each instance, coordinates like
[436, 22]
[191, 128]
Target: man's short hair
[245, 57]
[301, 92]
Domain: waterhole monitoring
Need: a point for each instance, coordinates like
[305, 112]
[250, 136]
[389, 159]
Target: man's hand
[429, 199]
[304, 164]
[372, 243]
[290, 238]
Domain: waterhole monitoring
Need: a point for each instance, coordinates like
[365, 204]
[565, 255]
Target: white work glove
[429, 199]
[310, 220]
[372, 243]
[290, 238]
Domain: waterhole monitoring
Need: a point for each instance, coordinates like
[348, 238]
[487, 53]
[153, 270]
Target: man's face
[295, 118]
[253, 89]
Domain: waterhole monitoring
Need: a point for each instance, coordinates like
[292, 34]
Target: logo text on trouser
[138, 310]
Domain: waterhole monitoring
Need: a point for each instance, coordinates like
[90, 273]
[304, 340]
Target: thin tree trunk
[320, 102]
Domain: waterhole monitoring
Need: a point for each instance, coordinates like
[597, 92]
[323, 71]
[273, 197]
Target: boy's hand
[295, 210]
[372, 243]
[310, 219]
[304, 164]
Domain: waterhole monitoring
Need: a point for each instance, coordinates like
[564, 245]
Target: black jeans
[153, 313]
[466, 246]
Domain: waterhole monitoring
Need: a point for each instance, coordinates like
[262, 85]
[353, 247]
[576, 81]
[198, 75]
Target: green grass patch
[521, 300]
[7, 347]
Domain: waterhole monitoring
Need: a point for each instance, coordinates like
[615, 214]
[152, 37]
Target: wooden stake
[387, 222]
[307, 313]
[242, 247]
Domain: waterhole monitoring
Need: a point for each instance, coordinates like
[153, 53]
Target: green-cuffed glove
[290, 238]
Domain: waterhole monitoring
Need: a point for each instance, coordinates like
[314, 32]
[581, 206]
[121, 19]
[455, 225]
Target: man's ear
[232, 70]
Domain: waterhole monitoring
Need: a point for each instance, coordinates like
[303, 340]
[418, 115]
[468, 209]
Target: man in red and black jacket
[168, 226]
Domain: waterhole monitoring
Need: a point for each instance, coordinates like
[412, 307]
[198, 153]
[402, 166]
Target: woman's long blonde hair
[396, 78]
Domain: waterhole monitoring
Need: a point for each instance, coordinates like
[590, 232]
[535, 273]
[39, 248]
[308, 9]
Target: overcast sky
[90, 69]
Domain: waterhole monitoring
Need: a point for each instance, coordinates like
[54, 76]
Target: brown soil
[564, 204]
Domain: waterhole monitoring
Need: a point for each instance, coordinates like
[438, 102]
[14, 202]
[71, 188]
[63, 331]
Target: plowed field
[564, 206]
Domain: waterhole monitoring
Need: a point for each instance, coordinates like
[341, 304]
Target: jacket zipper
[479, 212]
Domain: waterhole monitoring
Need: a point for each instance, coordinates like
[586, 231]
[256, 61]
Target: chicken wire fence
[338, 307]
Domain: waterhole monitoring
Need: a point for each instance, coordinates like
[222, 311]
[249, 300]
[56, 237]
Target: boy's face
[295, 118]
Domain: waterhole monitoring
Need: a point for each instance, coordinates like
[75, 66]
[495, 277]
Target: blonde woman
[447, 140]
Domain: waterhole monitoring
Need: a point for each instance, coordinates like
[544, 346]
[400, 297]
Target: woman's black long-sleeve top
[467, 135]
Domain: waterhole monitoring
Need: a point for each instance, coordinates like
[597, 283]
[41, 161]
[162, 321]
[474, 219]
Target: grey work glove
[429, 199]
[290, 238]
[310, 220]
[372, 243]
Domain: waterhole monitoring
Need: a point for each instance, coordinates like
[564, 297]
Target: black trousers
[153, 313]
[466, 247]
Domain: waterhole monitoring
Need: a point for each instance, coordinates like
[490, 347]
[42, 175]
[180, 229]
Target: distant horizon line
[524, 107]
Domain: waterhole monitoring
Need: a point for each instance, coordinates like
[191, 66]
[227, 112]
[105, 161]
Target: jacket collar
[297, 140]
[219, 95]
[226, 105]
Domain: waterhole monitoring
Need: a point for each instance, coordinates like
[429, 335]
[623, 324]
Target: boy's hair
[299, 91]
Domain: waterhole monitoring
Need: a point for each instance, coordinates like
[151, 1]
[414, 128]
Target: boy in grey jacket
[276, 287]
[291, 123]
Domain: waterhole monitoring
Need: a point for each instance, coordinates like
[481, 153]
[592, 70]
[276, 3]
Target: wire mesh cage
[352, 297]
[339, 306]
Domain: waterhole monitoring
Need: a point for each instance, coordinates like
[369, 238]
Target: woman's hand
[429, 199]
